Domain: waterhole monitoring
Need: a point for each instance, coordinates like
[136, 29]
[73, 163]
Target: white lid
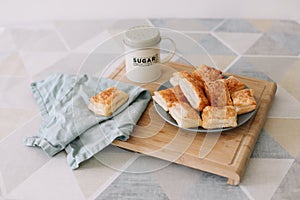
[142, 36]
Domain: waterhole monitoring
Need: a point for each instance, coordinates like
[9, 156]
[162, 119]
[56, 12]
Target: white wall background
[27, 10]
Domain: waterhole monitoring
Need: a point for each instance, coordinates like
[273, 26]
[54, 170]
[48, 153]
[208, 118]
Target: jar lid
[142, 36]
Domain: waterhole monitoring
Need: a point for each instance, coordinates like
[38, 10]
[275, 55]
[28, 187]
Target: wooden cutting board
[154, 137]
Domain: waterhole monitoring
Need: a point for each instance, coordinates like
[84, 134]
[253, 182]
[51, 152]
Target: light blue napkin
[69, 124]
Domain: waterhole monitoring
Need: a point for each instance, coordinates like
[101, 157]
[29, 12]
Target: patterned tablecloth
[263, 49]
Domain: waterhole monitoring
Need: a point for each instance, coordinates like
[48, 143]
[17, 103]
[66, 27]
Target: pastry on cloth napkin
[69, 124]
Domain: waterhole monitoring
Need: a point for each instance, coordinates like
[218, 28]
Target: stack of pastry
[205, 98]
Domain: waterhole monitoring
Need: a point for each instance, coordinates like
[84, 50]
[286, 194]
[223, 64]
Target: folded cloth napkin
[69, 124]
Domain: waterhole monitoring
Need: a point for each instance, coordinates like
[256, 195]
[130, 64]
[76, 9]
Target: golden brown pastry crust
[219, 117]
[174, 80]
[165, 98]
[193, 91]
[179, 94]
[185, 115]
[174, 101]
[244, 101]
[234, 84]
[217, 93]
[106, 96]
[107, 101]
[207, 73]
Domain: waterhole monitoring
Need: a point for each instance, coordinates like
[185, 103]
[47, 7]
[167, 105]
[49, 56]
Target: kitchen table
[258, 48]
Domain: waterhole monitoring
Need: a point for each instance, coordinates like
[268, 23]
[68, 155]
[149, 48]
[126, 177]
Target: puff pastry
[185, 115]
[107, 101]
[207, 73]
[234, 84]
[217, 93]
[165, 98]
[219, 117]
[179, 94]
[174, 101]
[174, 80]
[244, 101]
[193, 91]
[205, 98]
